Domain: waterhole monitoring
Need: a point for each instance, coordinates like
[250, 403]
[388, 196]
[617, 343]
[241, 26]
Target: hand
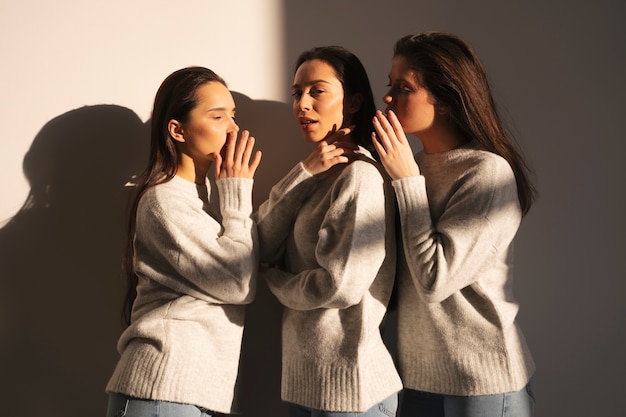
[330, 152]
[393, 147]
[235, 161]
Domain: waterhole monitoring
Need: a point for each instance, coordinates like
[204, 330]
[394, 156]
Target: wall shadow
[60, 286]
[278, 137]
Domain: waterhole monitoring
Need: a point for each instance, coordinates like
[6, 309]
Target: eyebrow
[311, 83]
[221, 109]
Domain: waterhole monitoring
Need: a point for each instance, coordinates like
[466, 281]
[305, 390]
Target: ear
[441, 110]
[354, 103]
[175, 130]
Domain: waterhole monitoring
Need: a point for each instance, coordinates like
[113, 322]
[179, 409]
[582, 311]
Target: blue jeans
[510, 404]
[125, 406]
[386, 408]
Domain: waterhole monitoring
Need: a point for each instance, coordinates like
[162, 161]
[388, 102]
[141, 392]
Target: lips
[307, 124]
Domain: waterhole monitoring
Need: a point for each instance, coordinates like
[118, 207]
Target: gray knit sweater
[457, 331]
[333, 235]
[196, 259]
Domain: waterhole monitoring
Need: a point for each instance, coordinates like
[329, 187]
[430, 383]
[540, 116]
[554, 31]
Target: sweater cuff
[235, 194]
[297, 175]
[411, 194]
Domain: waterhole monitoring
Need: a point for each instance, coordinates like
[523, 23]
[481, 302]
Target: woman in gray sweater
[461, 201]
[192, 257]
[327, 230]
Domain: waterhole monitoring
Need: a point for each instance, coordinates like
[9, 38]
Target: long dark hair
[354, 79]
[451, 71]
[175, 99]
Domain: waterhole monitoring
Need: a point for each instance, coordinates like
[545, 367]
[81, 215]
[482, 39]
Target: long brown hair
[451, 71]
[354, 79]
[175, 99]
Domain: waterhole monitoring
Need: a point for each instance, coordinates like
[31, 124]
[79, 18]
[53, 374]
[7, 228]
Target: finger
[378, 121]
[335, 136]
[218, 165]
[322, 148]
[397, 127]
[230, 147]
[380, 149]
[345, 131]
[336, 152]
[241, 147]
[247, 152]
[382, 133]
[254, 164]
[385, 125]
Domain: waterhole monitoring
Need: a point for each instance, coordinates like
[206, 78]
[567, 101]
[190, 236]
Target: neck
[439, 139]
[191, 170]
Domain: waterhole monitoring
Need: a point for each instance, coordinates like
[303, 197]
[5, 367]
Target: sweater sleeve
[180, 246]
[350, 248]
[275, 216]
[476, 226]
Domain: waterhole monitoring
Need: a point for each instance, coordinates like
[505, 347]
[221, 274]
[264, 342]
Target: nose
[303, 103]
[234, 127]
[387, 98]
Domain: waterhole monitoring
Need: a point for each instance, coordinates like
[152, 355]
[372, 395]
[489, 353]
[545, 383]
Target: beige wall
[77, 80]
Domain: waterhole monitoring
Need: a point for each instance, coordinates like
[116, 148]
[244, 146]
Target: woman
[461, 202]
[192, 256]
[328, 227]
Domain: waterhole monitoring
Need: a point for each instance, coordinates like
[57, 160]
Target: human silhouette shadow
[60, 267]
[60, 283]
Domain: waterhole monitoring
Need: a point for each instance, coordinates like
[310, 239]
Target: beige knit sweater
[196, 259]
[333, 236]
[457, 331]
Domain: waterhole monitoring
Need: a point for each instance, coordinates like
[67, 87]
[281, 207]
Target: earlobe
[175, 130]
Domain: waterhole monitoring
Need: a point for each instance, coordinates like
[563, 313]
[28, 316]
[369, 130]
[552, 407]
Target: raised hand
[235, 161]
[333, 150]
[393, 147]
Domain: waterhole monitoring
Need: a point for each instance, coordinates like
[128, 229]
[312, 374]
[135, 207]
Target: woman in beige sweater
[328, 230]
[461, 201]
[192, 257]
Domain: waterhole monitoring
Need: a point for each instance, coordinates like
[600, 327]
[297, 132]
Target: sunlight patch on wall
[73, 53]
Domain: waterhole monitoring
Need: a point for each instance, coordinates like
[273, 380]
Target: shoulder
[469, 172]
[160, 194]
[467, 165]
[357, 176]
[170, 197]
[489, 177]
[364, 167]
[489, 168]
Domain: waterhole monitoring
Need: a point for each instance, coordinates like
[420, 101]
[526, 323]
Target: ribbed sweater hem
[144, 372]
[472, 374]
[339, 388]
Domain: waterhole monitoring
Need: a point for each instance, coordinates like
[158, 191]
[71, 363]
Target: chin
[312, 138]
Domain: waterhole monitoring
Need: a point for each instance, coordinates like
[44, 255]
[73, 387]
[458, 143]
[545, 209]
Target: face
[317, 100]
[410, 101]
[209, 122]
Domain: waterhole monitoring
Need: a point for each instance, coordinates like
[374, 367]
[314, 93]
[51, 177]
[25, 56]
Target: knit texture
[457, 331]
[196, 259]
[333, 237]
